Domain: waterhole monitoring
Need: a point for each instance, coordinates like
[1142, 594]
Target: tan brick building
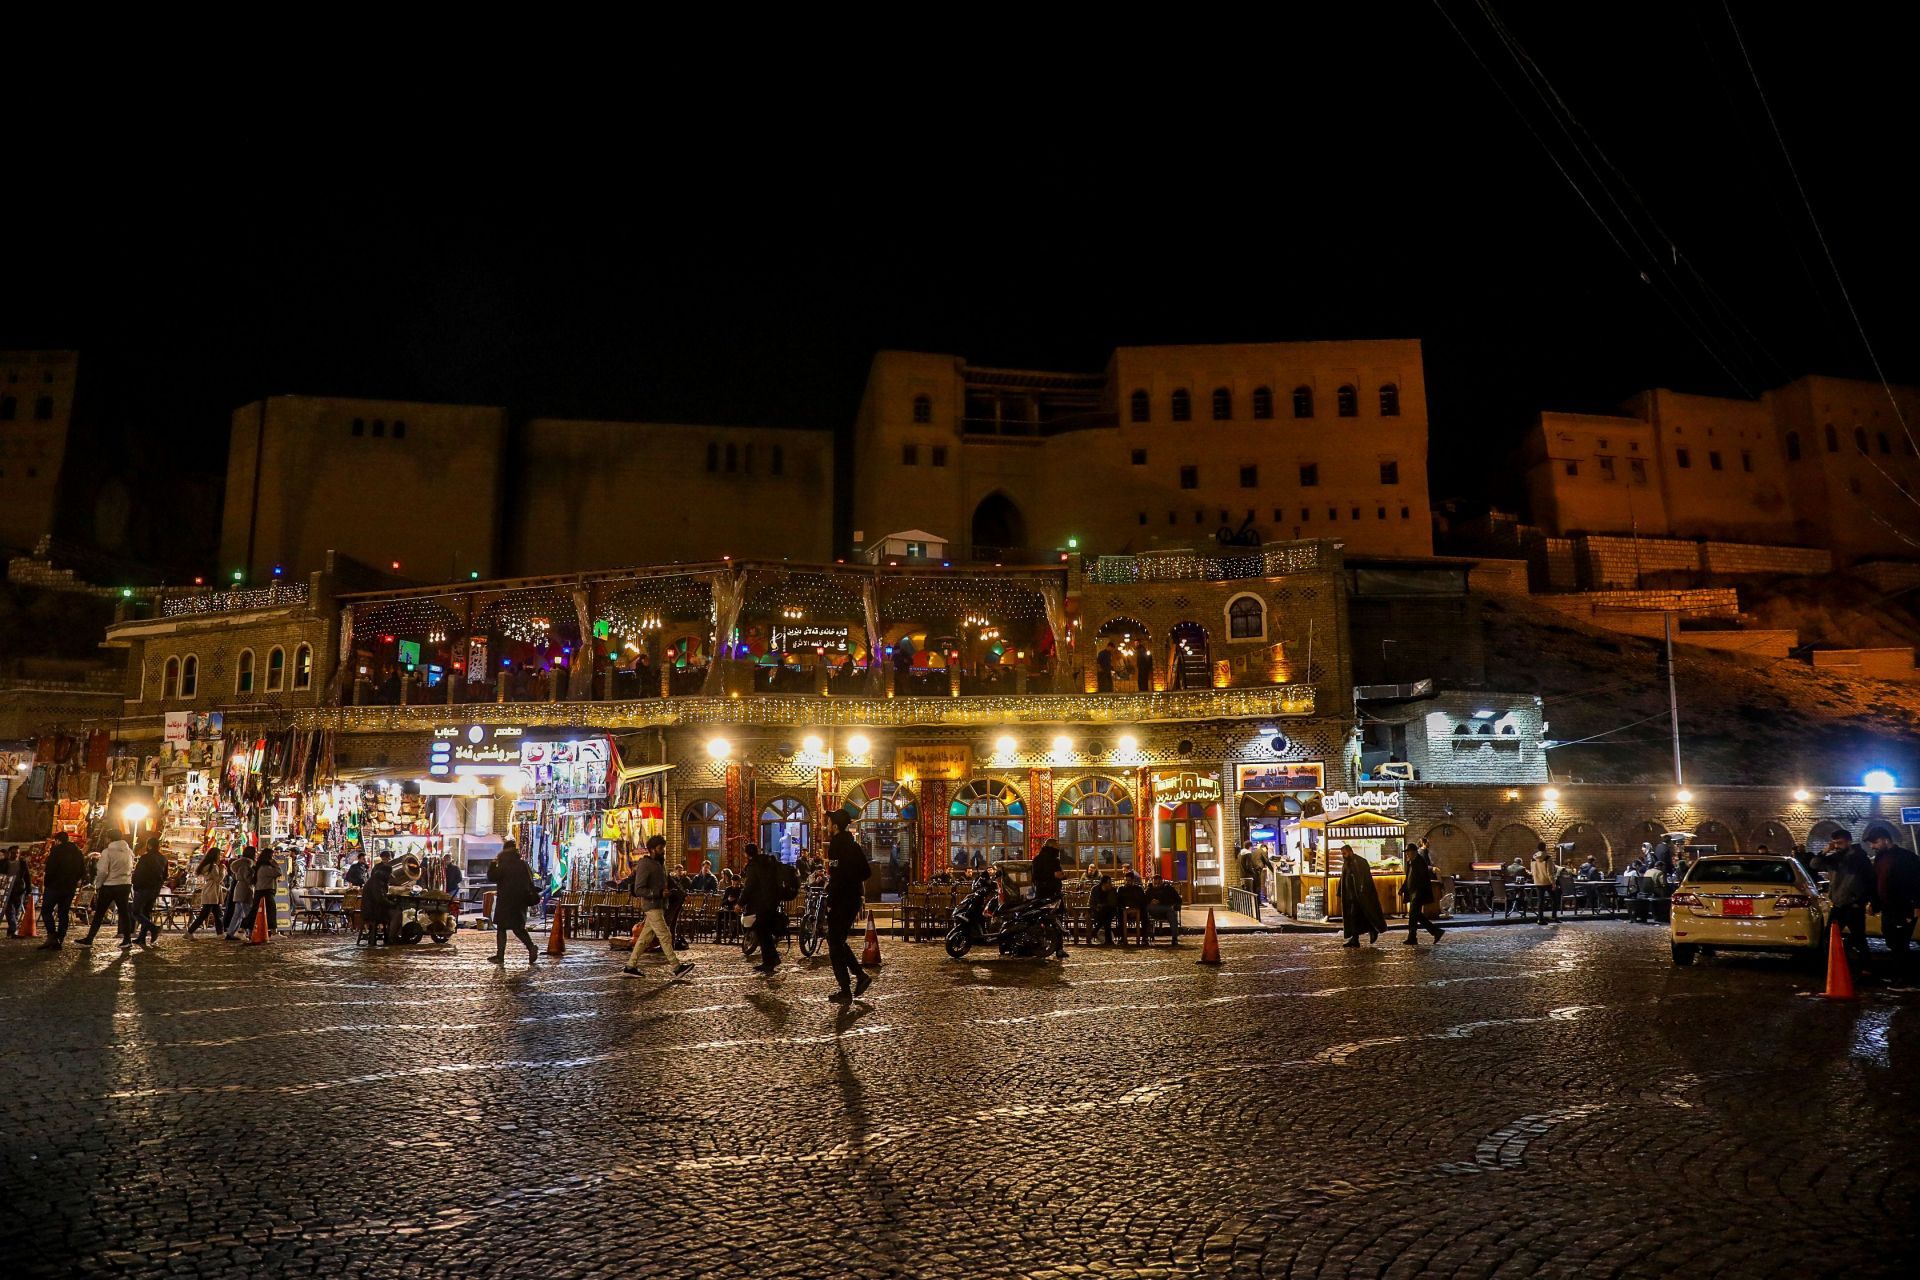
[36, 414]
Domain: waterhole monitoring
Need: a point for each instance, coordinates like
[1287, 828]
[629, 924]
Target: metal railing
[1188, 566]
[268, 597]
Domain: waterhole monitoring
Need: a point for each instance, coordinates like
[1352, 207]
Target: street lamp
[719, 748]
[1801, 795]
[857, 745]
[1879, 781]
[1004, 745]
[1551, 795]
[1684, 796]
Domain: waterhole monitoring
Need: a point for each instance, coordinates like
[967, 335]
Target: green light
[601, 629]
[236, 575]
[474, 574]
[1073, 544]
[126, 593]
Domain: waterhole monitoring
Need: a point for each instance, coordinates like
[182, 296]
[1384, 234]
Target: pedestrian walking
[210, 878]
[16, 882]
[847, 873]
[1851, 870]
[513, 892]
[1546, 885]
[66, 867]
[149, 879]
[1421, 891]
[651, 887]
[1359, 901]
[113, 886]
[239, 891]
[1896, 890]
[266, 878]
[760, 901]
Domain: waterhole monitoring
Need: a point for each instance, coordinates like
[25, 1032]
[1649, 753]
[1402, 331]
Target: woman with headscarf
[1359, 901]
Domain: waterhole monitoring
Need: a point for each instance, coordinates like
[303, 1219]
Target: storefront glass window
[705, 827]
[1095, 819]
[986, 823]
[883, 822]
[784, 830]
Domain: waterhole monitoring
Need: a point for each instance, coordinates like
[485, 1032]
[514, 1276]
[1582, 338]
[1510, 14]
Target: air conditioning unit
[1398, 770]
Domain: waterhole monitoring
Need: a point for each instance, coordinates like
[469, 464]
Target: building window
[1853, 485]
[1309, 475]
[986, 823]
[276, 668]
[1606, 469]
[1793, 446]
[1182, 406]
[1250, 477]
[1746, 460]
[1189, 477]
[713, 457]
[1347, 401]
[1094, 818]
[243, 672]
[189, 676]
[1380, 513]
[1306, 513]
[1860, 440]
[1333, 513]
[704, 828]
[916, 551]
[43, 409]
[1833, 439]
[1683, 458]
[1303, 402]
[1406, 513]
[923, 409]
[786, 832]
[1886, 446]
[1173, 517]
[1143, 517]
[939, 455]
[1637, 467]
[1263, 403]
[1246, 618]
[360, 426]
[303, 667]
[778, 463]
[1573, 468]
[399, 429]
[1713, 459]
[1390, 472]
[1356, 513]
[1139, 457]
[170, 680]
[9, 407]
[379, 428]
[1389, 400]
[1222, 404]
[1199, 517]
[909, 455]
[733, 458]
[1140, 407]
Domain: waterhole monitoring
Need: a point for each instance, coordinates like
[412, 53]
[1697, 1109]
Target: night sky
[672, 246]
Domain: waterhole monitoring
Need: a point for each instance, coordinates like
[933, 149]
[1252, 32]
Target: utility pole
[1673, 698]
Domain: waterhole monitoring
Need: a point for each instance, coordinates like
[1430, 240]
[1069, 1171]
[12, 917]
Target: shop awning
[1358, 824]
[631, 773]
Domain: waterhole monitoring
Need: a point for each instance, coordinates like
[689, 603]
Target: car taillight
[1685, 899]
[1791, 901]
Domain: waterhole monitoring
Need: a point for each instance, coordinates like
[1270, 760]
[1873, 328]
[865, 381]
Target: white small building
[914, 546]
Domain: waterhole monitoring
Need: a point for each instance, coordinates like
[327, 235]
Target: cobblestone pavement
[1510, 1102]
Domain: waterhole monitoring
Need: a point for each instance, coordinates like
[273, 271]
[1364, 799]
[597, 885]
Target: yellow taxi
[1748, 902]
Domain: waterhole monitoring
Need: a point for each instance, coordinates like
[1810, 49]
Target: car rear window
[1742, 871]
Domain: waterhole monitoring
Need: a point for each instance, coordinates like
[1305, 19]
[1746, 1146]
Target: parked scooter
[1019, 927]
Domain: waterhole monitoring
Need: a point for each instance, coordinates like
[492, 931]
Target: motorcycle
[1018, 927]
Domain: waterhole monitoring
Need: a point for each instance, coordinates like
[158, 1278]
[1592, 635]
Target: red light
[396, 563]
[386, 639]
[459, 666]
[199, 582]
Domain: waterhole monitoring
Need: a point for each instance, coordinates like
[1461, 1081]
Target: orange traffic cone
[870, 954]
[26, 917]
[259, 923]
[1210, 945]
[1839, 976]
[557, 933]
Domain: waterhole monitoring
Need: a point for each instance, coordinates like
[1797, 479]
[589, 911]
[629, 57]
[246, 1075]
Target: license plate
[1736, 907]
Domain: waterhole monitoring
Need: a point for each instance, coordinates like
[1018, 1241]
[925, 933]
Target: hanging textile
[1040, 810]
[1145, 821]
[826, 798]
[933, 828]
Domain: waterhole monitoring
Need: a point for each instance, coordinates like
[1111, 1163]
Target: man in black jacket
[1896, 891]
[760, 898]
[1422, 890]
[1163, 903]
[149, 878]
[1132, 903]
[65, 866]
[847, 873]
[1851, 888]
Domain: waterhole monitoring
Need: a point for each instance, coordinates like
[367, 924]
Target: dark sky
[726, 243]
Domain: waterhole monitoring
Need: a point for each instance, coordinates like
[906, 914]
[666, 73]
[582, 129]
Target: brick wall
[1879, 664]
[1888, 575]
[1551, 564]
[1743, 557]
[1756, 644]
[1618, 562]
[1500, 749]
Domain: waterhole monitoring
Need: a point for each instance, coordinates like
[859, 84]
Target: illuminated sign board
[1185, 788]
[1281, 775]
[477, 748]
[802, 638]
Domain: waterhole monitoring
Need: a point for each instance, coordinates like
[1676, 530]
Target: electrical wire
[1658, 715]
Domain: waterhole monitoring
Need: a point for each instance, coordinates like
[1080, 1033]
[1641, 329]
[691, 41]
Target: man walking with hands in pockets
[847, 872]
[650, 886]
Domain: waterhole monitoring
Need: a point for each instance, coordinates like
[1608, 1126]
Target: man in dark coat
[357, 873]
[1103, 904]
[1132, 902]
[1046, 874]
[1359, 900]
[847, 873]
[376, 906]
[65, 867]
[513, 892]
[760, 898]
[1896, 890]
[1421, 890]
[149, 878]
[1851, 887]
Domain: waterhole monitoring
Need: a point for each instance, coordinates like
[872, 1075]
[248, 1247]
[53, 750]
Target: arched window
[713, 456]
[733, 457]
[1860, 439]
[1246, 618]
[190, 676]
[1095, 820]
[1182, 406]
[43, 409]
[1389, 400]
[1463, 730]
[1263, 403]
[1347, 401]
[276, 668]
[1793, 446]
[1303, 402]
[922, 413]
[243, 672]
[986, 823]
[704, 828]
[1139, 407]
[303, 667]
[1222, 404]
[1833, 439]
[170, 681]
[884, 820]
[785, 830]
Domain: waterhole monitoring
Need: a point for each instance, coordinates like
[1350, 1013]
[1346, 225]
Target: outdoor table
[1472, 895]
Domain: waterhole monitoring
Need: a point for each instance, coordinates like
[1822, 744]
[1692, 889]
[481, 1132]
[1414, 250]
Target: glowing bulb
[719, 748]
[1879, 780]
[1062, 745]
[515, 781]
[1129, 744]
[857, 745]
[134, 811]
[1801, 795]
[812, 745]
[1551, 795]
[1005, 745]
[1684, 796]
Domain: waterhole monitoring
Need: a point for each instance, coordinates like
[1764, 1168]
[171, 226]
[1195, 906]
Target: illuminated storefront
[1188, 837]
[987, 823]
[1094, 820]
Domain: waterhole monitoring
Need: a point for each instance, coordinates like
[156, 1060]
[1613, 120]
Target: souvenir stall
[557, 817]
[638, 813]
[1376, 836]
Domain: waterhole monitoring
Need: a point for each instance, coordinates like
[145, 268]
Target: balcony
[273, 596]
[1270, 561]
